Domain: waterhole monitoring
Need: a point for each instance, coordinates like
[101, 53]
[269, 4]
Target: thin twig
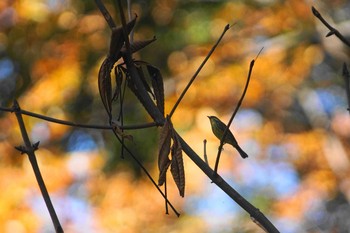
[234, 113]
[229, 190]
[166, 195]
[332, 30]
[129, 17]
[69, 123]
[147, 174]
[205, 151]
[227, 27]
[105, 14]
[346, 77]
[29, 149]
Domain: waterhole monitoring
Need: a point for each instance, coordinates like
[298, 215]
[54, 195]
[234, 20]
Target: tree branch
[346, 77]
[234, 114]
[88, 126]
[29, 149]
[332, 30]
[227, 27]
[223, 185]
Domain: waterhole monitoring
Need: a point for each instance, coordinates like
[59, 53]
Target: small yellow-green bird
[218, 128]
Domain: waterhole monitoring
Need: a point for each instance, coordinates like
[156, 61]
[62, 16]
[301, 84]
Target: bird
[218, 128]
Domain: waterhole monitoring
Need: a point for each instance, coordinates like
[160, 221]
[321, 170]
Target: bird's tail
[241, 152]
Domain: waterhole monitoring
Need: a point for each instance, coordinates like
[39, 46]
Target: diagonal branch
[231, 192]
[159, 119]
[234, 113]
[147, 174]
[29, 149]
[332, 30]
[105, 14]
[227, 27]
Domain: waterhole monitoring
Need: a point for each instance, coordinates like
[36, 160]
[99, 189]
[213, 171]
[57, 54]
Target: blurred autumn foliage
[293, 122]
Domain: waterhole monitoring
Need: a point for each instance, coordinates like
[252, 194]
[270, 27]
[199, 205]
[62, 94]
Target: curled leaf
[117, 130]
[138, 45]
[164, 150]
[158, 86]
[118, 80]
[143, 79]
[105, 85]
[177, 165]
[117, 40]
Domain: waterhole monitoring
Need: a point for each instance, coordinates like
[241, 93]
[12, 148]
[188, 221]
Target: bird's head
[212, 118]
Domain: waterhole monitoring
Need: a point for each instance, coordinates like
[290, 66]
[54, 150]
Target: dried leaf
[177, 165]
[117, 40]
[143, 79]
[105, 85]
[164, 150]
[120, 132]
[158, 86]
[118, 80]
[134, 90]
[138, 45]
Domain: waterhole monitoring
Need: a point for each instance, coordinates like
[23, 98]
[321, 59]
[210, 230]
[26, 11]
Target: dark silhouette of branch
[105, 14]
[346, 77]
[19, 111]
[119, 39]
[147, 174]
[227, 27]
[234, 113]
[332, 30]
[159, 119]
[88, 126]
[143, 96]
[29, 149]
[254, 213]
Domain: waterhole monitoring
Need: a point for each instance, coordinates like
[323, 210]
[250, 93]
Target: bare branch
[105, 14]
[332, 30]
[231, 192]
[147, 174]
[29, 149]
[227, 27]
[234, 113]
[346, 77]
[69, 123]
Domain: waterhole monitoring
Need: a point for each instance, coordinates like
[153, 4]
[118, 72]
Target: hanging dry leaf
[158, 86]
[164, 150]
[177, 165]
[143, 79]
[120, 132]
[105, 85]
[117, 40]
[138, 45]
[118, 80]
